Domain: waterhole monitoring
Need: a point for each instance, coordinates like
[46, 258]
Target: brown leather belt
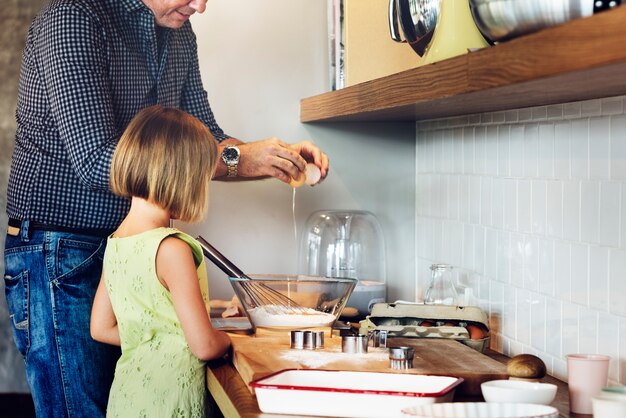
[15, 226]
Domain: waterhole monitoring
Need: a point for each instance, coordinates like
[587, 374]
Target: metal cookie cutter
[307, 340]
[401, 357]
[354, 344]
[378, 337]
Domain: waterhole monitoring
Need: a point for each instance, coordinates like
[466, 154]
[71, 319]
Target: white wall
[258, 59]
[531, 205]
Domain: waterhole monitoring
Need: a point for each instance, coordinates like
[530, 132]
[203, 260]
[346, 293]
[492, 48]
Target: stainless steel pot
[417, 20]
[500, 20]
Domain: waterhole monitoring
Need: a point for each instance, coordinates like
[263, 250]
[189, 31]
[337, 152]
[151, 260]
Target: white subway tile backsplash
[516, 151]
[491, 254]
[480, 140]
[571, 210]
[486, 190]
[509, 313]
[622, 350]
[531, 263]
[590, 211]
[540, 113]
[587, 331]
[497, 203]
[459, 159]
[453, 197]
[503, 257]
[545, 163]
[492, 140]
[530, 205]
[511, 116]
[538, 323]
[510, 204]
[612, 105]
[545, 268]
[579, 151]
[504, 146]
[531, 150]
[618, 147]
[562, 150]
[479, 252]
[609, 214]
[569, 330]
[555, 111]
[562, 270]
[525, 115]
[608, 343]
[464, 198]
[524, 302]
[599, 148]
[572, 110]
[539, 206]
[498, 117]
[554, 210]
[524, 206]
[617, 282]
[599, 278]
[468, 152]
[516, 265]
[553, 321]
[468, 247]
[474, 199]
[579, 274]
[591, 107]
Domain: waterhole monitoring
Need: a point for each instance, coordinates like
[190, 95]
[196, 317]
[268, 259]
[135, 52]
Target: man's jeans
[51, 279]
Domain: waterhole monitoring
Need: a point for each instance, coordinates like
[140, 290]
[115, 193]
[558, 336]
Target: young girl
[152, 298]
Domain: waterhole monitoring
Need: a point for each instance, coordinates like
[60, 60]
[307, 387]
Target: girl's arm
[103, 321]
[177, 272]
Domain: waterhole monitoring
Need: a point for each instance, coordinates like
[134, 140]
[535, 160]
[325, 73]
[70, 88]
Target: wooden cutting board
[258, 356]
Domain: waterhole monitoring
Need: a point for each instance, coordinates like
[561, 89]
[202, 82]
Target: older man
[88, 67]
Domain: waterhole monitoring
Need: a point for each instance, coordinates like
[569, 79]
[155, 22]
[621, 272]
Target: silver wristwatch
[230, 156]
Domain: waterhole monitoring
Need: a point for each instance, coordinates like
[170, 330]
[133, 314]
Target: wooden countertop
[233, 398]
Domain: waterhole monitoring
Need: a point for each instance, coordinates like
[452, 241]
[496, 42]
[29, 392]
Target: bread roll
[526, 367]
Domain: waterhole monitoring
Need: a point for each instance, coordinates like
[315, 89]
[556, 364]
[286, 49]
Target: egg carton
[412, 320]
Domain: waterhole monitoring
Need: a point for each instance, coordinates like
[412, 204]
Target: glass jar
[441, 290]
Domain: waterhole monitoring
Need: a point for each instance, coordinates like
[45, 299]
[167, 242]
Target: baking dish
[349, 393]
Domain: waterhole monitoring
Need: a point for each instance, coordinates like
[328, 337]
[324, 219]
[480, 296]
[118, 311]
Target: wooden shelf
[582, 59]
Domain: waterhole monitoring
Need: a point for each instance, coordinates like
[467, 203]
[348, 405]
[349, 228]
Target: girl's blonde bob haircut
[167, 157]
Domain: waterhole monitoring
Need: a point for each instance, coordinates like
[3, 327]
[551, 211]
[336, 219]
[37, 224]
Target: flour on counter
[283, 316]
[315, 359]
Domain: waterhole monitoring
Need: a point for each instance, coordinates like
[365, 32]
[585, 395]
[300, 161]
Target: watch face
[230, 155]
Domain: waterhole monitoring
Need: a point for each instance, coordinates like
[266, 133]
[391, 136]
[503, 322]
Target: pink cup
[587, 374]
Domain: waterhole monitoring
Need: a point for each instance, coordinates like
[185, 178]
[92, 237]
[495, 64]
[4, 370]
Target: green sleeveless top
[156, 375]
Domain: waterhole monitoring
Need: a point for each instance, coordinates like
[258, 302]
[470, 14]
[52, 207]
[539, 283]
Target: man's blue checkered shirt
[88, 67]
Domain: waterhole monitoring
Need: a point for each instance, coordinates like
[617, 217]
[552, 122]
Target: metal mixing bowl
[417, 20]
[500, 20]
[317, 301]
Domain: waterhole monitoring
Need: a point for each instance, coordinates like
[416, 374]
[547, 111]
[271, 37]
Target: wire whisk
[256, 294]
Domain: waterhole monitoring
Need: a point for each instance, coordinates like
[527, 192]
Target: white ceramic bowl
[614, 392]
[482, 410]
[517, 391]
[608, 406]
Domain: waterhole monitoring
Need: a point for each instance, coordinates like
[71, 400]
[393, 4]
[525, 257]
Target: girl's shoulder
[188, 239]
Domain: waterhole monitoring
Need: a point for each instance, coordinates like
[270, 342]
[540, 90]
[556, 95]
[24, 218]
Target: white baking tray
[334, 393]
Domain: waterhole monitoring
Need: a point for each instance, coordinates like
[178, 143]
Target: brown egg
[448, 324]
[426, 324]
[476, 332]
